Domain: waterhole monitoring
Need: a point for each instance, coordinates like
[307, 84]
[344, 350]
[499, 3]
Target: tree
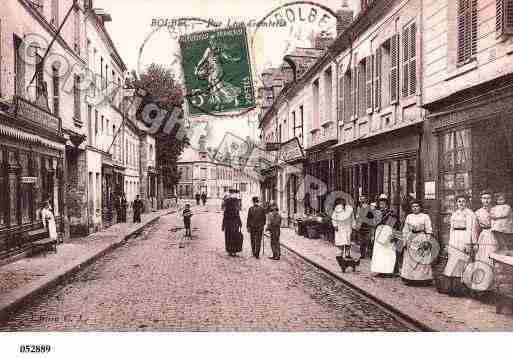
[164, 91]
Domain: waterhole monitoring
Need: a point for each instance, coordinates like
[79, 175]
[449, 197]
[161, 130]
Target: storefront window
[456, 165]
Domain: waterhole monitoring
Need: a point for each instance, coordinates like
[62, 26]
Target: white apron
[343, 220]
[383, 254]
[49, 220]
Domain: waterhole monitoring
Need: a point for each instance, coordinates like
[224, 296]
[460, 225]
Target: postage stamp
[217, 71]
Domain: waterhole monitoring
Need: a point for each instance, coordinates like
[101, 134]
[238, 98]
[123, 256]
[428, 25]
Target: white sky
[132, 19]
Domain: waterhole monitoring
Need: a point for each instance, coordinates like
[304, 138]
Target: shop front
[269, 185]
[473, 134]
[292, 157]
[320, 165]
[31, 173]
[385, 164]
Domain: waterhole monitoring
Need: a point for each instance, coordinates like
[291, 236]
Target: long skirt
[343, 235]
[52, 229]
[417, 260]
[457, 258]
[383, 254]
[479, 275]
[232, 238]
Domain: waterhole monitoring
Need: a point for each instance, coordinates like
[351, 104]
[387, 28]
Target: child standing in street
[187, 214]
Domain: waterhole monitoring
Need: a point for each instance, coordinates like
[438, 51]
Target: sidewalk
[27, 277]
[425, 305]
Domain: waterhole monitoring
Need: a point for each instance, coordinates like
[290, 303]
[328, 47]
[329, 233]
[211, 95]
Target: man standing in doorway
[255, 225]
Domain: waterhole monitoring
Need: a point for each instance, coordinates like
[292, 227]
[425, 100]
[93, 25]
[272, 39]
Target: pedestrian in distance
[187, 214]
[255, 224]
[204, 198]
[123, 205]
[274, 227]
[232, 226]
[137, 206]
[198, 198]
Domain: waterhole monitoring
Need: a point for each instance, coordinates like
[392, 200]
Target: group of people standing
[255, 224]
[201, 197]
[121, 205]
[473, 237]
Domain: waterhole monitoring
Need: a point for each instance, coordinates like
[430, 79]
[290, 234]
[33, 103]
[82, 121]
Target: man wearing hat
[274, 226]
[255, 225]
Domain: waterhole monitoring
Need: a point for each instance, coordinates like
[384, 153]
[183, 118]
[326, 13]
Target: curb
[24, 294]
[389, 307]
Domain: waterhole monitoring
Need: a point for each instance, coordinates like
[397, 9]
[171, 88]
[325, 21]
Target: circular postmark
[289, 28]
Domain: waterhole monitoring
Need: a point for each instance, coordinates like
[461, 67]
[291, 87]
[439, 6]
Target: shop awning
[20, 135]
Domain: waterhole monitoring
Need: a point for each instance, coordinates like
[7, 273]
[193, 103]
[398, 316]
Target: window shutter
[369, 63]
[467, 29]
[340, 102]
[348, 96]
[354, 92]
[362, 98]
[406, 62]
[394, 69]
[377, 79]
[504, 17]
[413, 59]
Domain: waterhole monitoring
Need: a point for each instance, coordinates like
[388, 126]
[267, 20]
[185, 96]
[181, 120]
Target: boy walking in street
[274, 226]
[187, 214]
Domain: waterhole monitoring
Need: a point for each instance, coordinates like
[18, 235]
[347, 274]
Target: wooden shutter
[413, 59]
[394, 69]
[369, 64]
[467, 29]
[354, 91]
[348, 101]
[377, 79]
[406, 62]
[362, 98]
[340, 101]
[504, 17]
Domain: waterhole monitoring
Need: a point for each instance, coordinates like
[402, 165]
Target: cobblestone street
[150, 283]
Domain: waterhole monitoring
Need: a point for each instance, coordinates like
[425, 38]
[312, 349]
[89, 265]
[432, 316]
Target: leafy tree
[164, 91]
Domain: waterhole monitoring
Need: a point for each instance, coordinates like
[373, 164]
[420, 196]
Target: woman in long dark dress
[232, 226]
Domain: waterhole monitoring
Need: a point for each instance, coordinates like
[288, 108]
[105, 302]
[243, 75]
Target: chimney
[344, 17]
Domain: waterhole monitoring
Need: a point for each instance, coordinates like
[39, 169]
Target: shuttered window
[394, 69]
[341, 99]
[362, 98]
[354, 91]
[348, 101]
[504, 17]
[377, 78]
[409, 42]
[467, 30]
[369, 62]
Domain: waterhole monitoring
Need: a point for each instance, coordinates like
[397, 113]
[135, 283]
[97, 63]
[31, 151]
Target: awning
[28, 137]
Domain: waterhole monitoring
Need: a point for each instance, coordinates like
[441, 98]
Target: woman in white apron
[342, 219]
[417, 260]
[49, 221]
[461, 236]
[383, 254]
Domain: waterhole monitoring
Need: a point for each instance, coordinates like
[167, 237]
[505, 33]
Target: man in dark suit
[255, 224]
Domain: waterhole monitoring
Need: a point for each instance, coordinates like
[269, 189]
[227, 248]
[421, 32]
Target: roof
[189, 154]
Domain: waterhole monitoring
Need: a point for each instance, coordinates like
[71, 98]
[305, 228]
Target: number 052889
[35, 348]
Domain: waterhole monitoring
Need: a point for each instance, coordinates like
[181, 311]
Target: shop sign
[291, 151]
[27, 179]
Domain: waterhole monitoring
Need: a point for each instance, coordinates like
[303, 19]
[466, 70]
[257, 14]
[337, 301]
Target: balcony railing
[327, 133]
[36, 116]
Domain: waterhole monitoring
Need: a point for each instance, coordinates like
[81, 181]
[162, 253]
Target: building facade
[467, 85]
[42, 111]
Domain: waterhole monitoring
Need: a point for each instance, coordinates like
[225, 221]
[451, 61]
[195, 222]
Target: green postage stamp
[217, 71]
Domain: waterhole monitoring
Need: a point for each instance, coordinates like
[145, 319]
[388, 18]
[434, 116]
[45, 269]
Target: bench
[40, 240]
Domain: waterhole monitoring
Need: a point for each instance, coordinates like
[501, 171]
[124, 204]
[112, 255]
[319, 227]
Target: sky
[131, 29]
